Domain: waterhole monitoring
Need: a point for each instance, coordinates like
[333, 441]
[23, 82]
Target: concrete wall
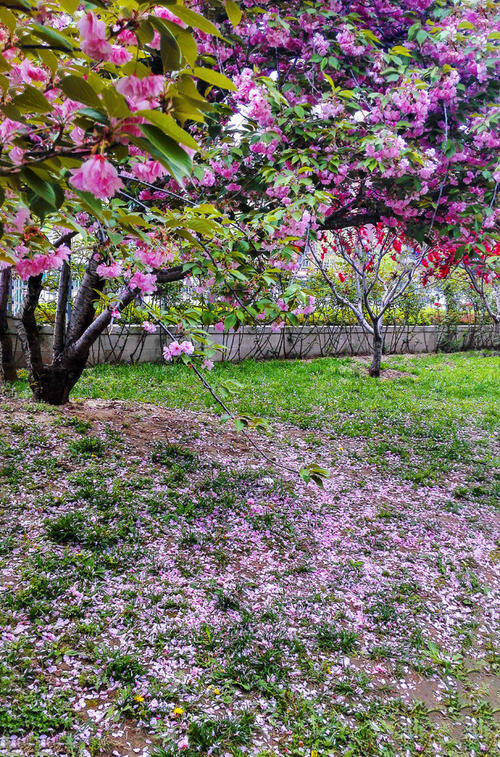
[131, 344]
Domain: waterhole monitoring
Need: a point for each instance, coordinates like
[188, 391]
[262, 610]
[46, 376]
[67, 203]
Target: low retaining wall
[131, 344]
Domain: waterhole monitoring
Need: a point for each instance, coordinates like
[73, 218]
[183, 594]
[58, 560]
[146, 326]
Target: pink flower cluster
[33, 266]
[94, 42]
[145, 282]
[149, 171]
[175, 349]
[97, 176]
[110, 271]
[141, 93]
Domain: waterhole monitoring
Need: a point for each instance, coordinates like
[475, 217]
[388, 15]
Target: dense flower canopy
[354, 113]
[93, 95]
[342, 114]
[217, 140]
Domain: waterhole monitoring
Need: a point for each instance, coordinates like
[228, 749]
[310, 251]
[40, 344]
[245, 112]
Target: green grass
[428, 414]
[461, 386]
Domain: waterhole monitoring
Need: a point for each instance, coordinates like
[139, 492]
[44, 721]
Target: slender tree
[368, 269]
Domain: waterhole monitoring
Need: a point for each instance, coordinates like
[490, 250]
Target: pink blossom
[149, 327]
[219, 327]
[26, 73]
[321, 45]
[167, 355]
[21, 218]
[32, 266]
[187, 348]
[140, 93]
[208, 179]
[208, 364]
[175, 349]
[97, 176]
[149, 171]
[9, 129]
[119, 55]
[16, 155]
[77, 135]
[146, 282]
[93, 34]
[111, 271]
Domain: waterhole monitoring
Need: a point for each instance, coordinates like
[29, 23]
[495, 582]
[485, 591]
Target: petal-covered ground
[164, 592]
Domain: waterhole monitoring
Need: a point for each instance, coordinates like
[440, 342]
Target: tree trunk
[377, 352]
[62, 304]
[9, 371]
[54, 383]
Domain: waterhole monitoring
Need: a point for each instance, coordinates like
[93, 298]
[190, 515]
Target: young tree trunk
[496, 333]
[377, 351]
[9, 371]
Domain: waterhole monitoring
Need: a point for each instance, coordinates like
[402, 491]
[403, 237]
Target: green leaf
[89, 203]
[412, 31]
[8, 19]
[32, 100]
[188, 45]
[145, 32]
[168, 126]
[70, 6]
[47, 34]
[116, 104]
[213, 77]
[421, 36]
[194, 19]
[233, 11]
[400, 50]
[174, 155]
[39, 186]
[4, 65]
[170, 52]
[49, 59]
[76, 88]
[95, 115]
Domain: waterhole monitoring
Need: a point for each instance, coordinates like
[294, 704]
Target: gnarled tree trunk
[9, 371]
[53, 382]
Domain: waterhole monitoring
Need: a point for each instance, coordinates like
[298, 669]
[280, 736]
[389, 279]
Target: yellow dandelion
[138, 698]
[178, 710]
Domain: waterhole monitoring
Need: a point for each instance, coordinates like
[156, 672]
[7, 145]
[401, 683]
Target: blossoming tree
[352, 113]
[368, 269]
[341, 115]
[482, 267]
[93, 98]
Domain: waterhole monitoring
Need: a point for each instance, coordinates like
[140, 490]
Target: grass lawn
[166, 591]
